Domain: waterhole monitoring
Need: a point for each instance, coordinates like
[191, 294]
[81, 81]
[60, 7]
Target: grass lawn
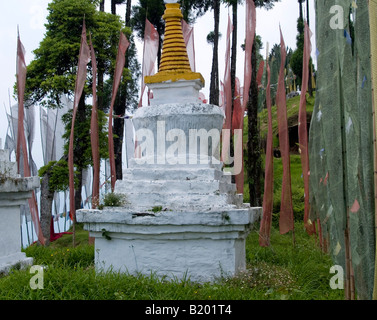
[278, 272]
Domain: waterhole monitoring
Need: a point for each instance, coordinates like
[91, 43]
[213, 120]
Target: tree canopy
[53, 71]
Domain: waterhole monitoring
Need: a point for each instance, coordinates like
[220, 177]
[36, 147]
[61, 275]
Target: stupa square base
[17, 260]
[199, 246]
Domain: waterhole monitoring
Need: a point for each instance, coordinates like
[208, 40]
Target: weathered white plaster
[14, 191]
[186, 133]
[184, 91]
[200, 245]
[201, 229]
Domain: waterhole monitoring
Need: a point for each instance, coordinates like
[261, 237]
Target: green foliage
[82, 136]
[105, 234]
[157, 209]
[296, 64]
[211, 37]
[307, 266]
[113, 199]
[151, 9]
[293, 106]
[53, 71]
[297, 188]
[267, 4]
[58, 175]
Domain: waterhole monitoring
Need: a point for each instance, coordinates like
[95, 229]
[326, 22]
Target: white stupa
[183, 217]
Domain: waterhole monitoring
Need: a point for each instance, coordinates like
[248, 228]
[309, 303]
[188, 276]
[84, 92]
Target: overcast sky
[30, 16]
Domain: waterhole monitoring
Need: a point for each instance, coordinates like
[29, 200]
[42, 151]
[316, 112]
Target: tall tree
[254, 161]
[310, 87]
[297, 56]
[53, 71]
[233, 61]
[114, 3]
[214, 82]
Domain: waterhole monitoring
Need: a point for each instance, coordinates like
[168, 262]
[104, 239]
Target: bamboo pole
[350, 278]
[373, 45]
[347, 291]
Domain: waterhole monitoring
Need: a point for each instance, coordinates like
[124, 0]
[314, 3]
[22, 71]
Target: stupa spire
[174, 64]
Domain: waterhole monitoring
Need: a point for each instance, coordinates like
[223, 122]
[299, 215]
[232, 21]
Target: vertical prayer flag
[188, 36]
[120, 62]
[84, 58]
[21, 140]
[237, 123]
[303, 130]
[286, 222]
[265, 226]
[250, 25]
[94, 135]
[151, 41]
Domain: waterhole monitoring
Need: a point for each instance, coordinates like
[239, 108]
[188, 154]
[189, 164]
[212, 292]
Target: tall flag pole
[151, 40]
[21, 140]
[21, 81]
[303, 129]
[241, 96]
[286, 222]
[237, 129]
[227, 97]
[120, 62]
[84, 58]
[94, 135]
[265, 226]
[250, 25]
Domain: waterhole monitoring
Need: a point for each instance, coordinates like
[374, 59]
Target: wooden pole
[350, 278]
[373, 45]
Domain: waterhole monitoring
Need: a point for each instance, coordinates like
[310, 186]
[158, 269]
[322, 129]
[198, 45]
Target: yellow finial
[174, 64]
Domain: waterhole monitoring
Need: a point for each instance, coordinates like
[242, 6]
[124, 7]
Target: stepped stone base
[200, 228]
[198, 245]
[198, 234]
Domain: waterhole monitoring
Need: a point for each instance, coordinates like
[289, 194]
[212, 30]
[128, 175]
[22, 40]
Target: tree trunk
[118, 129]
[254, 162]
[102, 6]
[310, 88]
[128, 14]
[113, 7]
[233, 63]
[159, 51]
[214, 85]
[46, 207]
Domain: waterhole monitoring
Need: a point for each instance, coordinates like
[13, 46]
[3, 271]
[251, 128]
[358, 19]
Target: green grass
[297, 183]
[293, 105]
[278, 272]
